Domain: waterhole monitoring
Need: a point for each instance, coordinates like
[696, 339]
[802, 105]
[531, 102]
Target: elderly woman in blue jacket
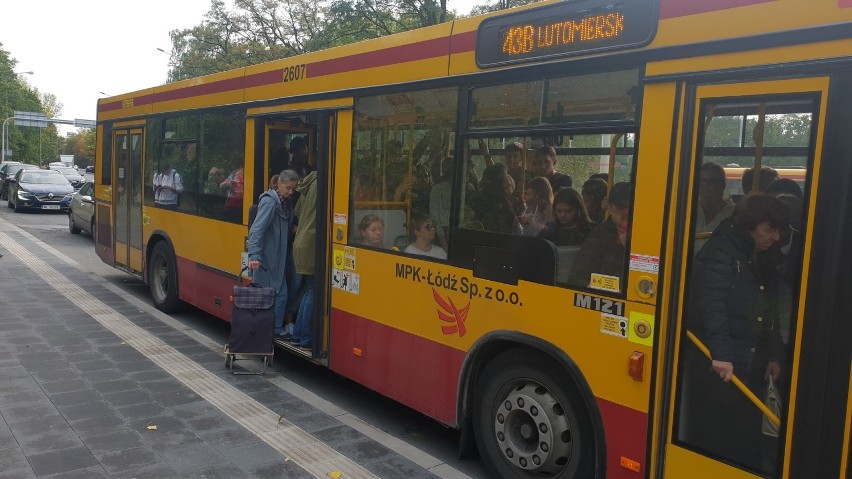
[268, 242]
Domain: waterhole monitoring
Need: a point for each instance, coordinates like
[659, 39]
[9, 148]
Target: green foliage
[256, 31]
[27, 144]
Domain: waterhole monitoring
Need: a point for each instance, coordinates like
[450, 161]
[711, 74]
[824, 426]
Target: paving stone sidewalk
[75, 402]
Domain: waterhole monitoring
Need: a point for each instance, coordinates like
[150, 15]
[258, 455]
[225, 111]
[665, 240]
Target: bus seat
[565, 256]
[401, 242]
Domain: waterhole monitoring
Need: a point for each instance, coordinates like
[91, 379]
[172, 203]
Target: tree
[26, 144]
[81, 144]
[257, 31]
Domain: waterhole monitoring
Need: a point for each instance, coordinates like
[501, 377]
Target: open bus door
[712, 428]
[127, 154]
[319, 125]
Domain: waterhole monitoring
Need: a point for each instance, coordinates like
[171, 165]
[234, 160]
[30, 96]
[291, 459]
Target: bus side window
[401, 174]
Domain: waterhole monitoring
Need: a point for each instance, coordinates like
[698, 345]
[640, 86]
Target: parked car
[39, 189]
[81, 212]
[7, 172]
[72, 174]
[90, 169]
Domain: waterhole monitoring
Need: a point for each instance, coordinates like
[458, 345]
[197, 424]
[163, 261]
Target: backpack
[253, 209]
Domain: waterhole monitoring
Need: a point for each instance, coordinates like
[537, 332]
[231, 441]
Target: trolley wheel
[162, 279]
[529, 421]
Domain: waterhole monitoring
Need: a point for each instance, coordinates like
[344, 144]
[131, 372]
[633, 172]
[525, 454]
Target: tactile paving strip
[309, 453]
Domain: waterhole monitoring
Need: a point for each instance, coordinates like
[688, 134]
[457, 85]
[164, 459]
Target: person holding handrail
[733, 310]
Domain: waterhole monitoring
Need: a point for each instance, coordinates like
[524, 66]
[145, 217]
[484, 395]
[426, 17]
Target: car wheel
[530, 422]
[162, 279]
[71, 226]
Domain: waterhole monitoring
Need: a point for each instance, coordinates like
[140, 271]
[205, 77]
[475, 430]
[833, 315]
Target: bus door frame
[128, 255]
[675, 460]
[332, 149]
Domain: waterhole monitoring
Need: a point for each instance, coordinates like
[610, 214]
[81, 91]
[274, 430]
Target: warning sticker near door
[615, 325]
[346, 281]
[605, 282]
[647, 264]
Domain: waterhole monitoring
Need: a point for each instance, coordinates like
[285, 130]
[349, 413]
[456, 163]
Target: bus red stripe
[626, 436]
[415, 371]
[434, 48]
[682, 8]
[437, 47]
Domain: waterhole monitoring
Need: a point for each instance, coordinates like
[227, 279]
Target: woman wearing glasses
[424, 235]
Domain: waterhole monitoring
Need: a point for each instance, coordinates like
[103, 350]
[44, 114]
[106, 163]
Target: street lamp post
[5, 134]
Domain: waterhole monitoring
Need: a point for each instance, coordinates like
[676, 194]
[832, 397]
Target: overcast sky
[80, 50]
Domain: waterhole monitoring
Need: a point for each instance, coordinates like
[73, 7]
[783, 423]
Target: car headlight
[24, 194]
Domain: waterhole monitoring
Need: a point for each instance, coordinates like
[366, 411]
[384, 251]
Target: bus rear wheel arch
[163, 279]
[529, 421]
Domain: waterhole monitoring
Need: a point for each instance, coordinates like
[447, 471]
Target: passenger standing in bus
[594, 194]
[767, 176]
[304, 255]
[233, 186]
[268, 243]
[713, 207]
[733, 311]
[167, 187]
[545, 162]
[537, 207]
[604, 250]
[571, 224]
[514, 164]
[493, 204]
[439, 200]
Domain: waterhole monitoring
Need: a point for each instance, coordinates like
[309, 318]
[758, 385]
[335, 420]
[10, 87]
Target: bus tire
[162, 279]
[529, 420]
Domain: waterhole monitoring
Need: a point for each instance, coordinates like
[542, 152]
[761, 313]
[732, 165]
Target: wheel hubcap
[160, 279]
[532, 430]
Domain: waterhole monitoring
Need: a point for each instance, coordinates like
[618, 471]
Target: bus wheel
[162, 279]
[529, 421]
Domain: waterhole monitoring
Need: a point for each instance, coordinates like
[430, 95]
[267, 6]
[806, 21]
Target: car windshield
[14, 168]
[44, 178]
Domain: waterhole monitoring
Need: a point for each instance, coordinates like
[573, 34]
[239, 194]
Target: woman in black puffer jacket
[733, 311]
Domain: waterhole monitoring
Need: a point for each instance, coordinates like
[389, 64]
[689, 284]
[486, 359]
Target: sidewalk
[90, 386]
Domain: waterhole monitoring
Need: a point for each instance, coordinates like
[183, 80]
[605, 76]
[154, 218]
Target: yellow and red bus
[551, 372]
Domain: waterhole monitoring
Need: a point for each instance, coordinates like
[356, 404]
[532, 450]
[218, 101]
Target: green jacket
[304, 246]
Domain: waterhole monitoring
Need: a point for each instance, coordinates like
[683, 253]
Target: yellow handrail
[739, 384]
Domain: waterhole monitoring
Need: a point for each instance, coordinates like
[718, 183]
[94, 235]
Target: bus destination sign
[565, 28]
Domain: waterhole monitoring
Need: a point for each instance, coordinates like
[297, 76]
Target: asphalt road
[395, 420]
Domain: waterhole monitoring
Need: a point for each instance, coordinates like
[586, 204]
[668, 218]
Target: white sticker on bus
[346, 281]
[647, 264]
[615, 325]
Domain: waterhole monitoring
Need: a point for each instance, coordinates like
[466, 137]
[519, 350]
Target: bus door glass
[742, 277]
[127, 197]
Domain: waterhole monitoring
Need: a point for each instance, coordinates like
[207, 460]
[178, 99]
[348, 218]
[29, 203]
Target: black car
[72, 174]
[90, 169]
[39, 189]
[7, 172]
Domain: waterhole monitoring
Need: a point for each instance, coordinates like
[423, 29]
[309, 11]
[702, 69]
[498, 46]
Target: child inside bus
[603, 251]
[594, 194]
[424, 235]
[372, 230]
[537, 207]
[571, 224]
